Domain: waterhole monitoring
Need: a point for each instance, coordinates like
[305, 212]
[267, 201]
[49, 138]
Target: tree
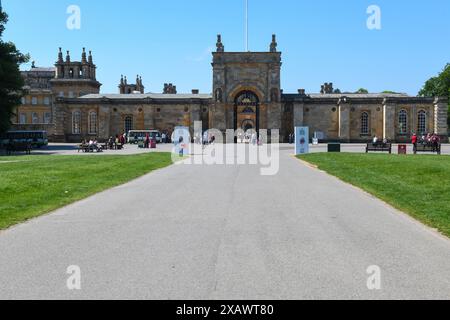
[438, 86]
[362, 90]
[11, 81]
[390, 92]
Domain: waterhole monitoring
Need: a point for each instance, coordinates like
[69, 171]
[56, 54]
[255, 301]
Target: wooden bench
[18, 147]
[83, 148]
[379, 147]
[421, 147]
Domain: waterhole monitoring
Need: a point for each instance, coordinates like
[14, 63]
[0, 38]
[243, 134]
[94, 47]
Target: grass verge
[34, 185]
[417, 185]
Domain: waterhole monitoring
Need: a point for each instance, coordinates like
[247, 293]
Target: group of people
[207, 138]
[376, 140]
[91, 145]
[165, 137]
[120, 139]
[430, 139]
[291, 138]
[249, 137]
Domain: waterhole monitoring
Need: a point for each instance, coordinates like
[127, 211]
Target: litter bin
[334, 147]
[402, 149]
[153, 143]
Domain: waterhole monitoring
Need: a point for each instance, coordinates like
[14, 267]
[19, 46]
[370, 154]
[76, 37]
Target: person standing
[180, 145]
[414, 141]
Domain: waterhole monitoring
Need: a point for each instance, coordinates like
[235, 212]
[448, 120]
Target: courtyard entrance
[246, 111]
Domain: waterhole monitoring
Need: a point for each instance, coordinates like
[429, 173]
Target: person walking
[180, 145]
[414, 140]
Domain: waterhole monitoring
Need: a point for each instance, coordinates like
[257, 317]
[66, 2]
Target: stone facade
[246, 94]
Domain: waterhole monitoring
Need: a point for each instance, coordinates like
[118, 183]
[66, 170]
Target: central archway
[246, 110]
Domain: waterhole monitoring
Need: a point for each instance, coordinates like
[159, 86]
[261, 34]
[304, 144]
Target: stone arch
[244, 102]
[240, 88]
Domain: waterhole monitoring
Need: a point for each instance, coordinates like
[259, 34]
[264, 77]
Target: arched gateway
[246, 111]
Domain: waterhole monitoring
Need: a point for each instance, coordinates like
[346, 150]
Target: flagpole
[246, 25]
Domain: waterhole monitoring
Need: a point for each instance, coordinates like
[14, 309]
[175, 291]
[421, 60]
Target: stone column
[149, 116]
[389, 119]
[104, 122]
[440, 116]
[196, 115]
[59, 118]
[344, 120]
[298, 114]
[217, 119]
[274, 116]
[66, 72]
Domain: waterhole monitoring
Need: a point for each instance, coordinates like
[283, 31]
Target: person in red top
[414, 141]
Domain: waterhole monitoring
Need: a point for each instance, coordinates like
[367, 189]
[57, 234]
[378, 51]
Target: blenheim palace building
[65, 100]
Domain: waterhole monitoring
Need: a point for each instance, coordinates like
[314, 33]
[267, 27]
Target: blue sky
[170, 41]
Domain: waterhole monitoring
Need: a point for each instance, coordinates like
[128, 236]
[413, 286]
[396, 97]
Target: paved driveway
[226, 232]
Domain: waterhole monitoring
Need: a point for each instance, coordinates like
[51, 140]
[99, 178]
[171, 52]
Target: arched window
[247, 98]
[403, 121]
[365, 125]
[92, 122]
[248, 110]
[422, 122]
[76, 122]
[128, 123]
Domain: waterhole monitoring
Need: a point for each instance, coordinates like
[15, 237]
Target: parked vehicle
[37, 139]
[136, 136]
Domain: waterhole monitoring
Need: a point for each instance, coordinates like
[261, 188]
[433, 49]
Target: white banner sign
[301, 140]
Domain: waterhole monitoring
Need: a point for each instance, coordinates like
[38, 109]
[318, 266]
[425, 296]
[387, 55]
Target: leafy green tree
[362, 90]
[389, 92]
[11, 81]
[438, 86]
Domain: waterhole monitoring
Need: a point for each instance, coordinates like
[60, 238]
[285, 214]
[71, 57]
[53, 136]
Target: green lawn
[35, 185]
[418, 185]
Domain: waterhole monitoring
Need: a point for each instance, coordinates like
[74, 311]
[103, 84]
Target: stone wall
[111, 117]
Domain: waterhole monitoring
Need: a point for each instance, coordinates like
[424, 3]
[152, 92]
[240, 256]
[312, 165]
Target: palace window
[248, 110]
[47, 117]
[128, 123]
[365, 125]
[47, 101]
[93, 122]
[34, 118]
[23, 118]
[403, 121]
[76, 122]
[34, 100]
[422, 122]
[247, 98]
[23, 100]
